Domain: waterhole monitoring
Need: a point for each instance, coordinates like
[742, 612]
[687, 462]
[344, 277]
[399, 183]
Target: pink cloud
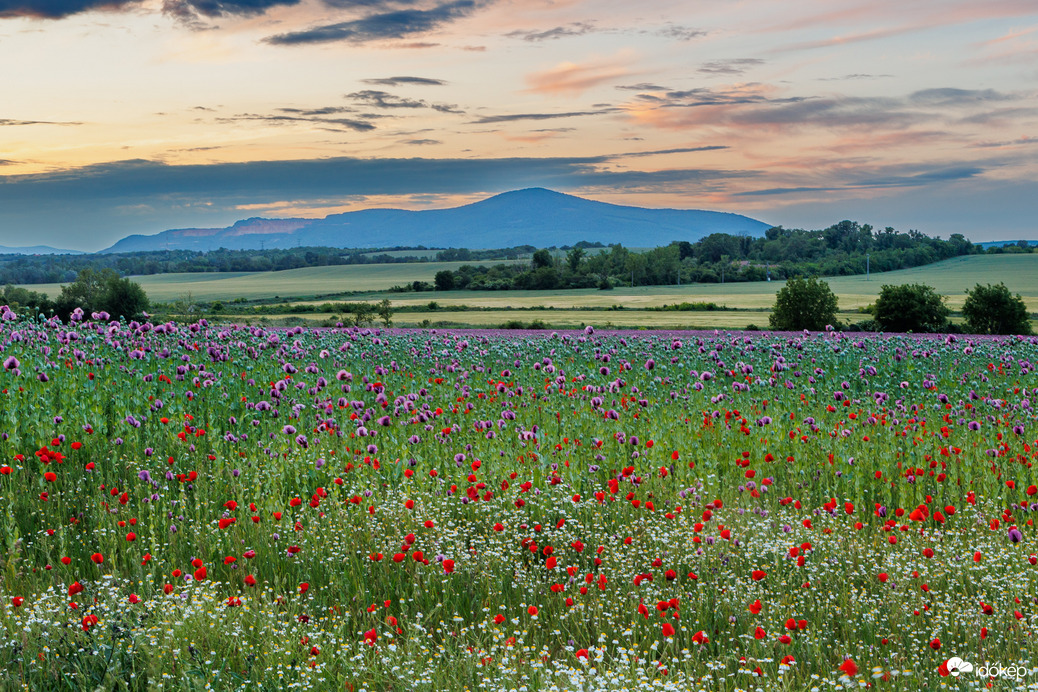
[572, 79]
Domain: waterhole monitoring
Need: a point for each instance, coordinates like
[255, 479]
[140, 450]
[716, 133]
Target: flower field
[190, 507]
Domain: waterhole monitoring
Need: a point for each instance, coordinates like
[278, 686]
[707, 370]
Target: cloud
[948, 96]
[855, 76]
[56, 9]
[297, 115]
[189, 10]
[8, 122]
[382, 99]
[880, 177]
[732, 66]
[642, 86]
[680, 33]
[512, 117]
[400, 81]
[573, 29]
[420, 142]
[374, 98]
[660, 152]
[380, 26]
[575, 78]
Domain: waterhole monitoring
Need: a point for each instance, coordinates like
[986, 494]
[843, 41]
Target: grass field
[369, 282]
[950, 278]
[309, 281]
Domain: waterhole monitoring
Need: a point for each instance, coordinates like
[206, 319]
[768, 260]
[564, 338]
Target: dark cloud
[939, 175]
[660, 152]
[512, 117]
[879, 178]
[574, 29]
[832, 113]
[1005, 143]
[643, 86]
[8, 162]
[191, 9]
[314, 112]
[948, 96]
[400, 81]
[680, 33]
[382, 99]
[381, 25]
[731, 66]
[421, 142]
[8, 122]
[287, 117]
[56, 9]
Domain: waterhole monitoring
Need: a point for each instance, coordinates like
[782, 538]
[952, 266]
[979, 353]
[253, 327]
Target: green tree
[803, 304]
[363, 314]
[542, 259]
[444, 280]
[96, 291]
[385, 312]
[574, 257]
[910, 307]
[994, 310]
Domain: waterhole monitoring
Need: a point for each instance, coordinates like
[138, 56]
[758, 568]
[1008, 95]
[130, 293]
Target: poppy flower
[668, 629]
[448, 566]
[849, 668]
[758, 574]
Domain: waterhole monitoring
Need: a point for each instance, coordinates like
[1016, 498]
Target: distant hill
[1003, 243]
[535, 216]
[37, 250]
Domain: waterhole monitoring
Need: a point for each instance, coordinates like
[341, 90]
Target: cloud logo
[956, 665]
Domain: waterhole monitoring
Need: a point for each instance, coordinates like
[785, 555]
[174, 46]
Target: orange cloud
[572, 79]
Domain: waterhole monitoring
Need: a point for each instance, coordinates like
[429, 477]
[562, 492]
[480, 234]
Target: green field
[309, 281]
[748, 303]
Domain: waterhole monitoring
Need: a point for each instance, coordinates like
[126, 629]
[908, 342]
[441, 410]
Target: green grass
[308, 281]
[950, 278]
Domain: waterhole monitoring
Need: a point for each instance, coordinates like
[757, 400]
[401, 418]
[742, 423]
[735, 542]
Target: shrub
[994, 310]
[803, 304]
[911, 308]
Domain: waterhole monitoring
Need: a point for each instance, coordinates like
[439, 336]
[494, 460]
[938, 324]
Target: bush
[803, 304]
[911, 308]
[994, 310]
[102, 291]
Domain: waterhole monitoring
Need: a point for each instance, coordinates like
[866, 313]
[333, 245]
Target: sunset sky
[121, 117]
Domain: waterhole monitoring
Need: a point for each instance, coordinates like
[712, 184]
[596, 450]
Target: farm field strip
[950, 278]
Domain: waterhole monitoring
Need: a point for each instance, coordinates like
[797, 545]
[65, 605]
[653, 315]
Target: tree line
[843, 249]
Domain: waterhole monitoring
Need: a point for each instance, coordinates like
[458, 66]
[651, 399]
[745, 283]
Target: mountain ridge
[532, 216]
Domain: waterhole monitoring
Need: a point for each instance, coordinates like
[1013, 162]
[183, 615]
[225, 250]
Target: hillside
[534, 216]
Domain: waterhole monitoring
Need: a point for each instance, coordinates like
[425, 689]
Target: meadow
[206, 507]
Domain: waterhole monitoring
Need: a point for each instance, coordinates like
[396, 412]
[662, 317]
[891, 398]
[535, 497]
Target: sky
[129, 116]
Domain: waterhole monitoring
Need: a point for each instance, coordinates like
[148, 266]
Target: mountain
[37, 250]
[535, 216]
